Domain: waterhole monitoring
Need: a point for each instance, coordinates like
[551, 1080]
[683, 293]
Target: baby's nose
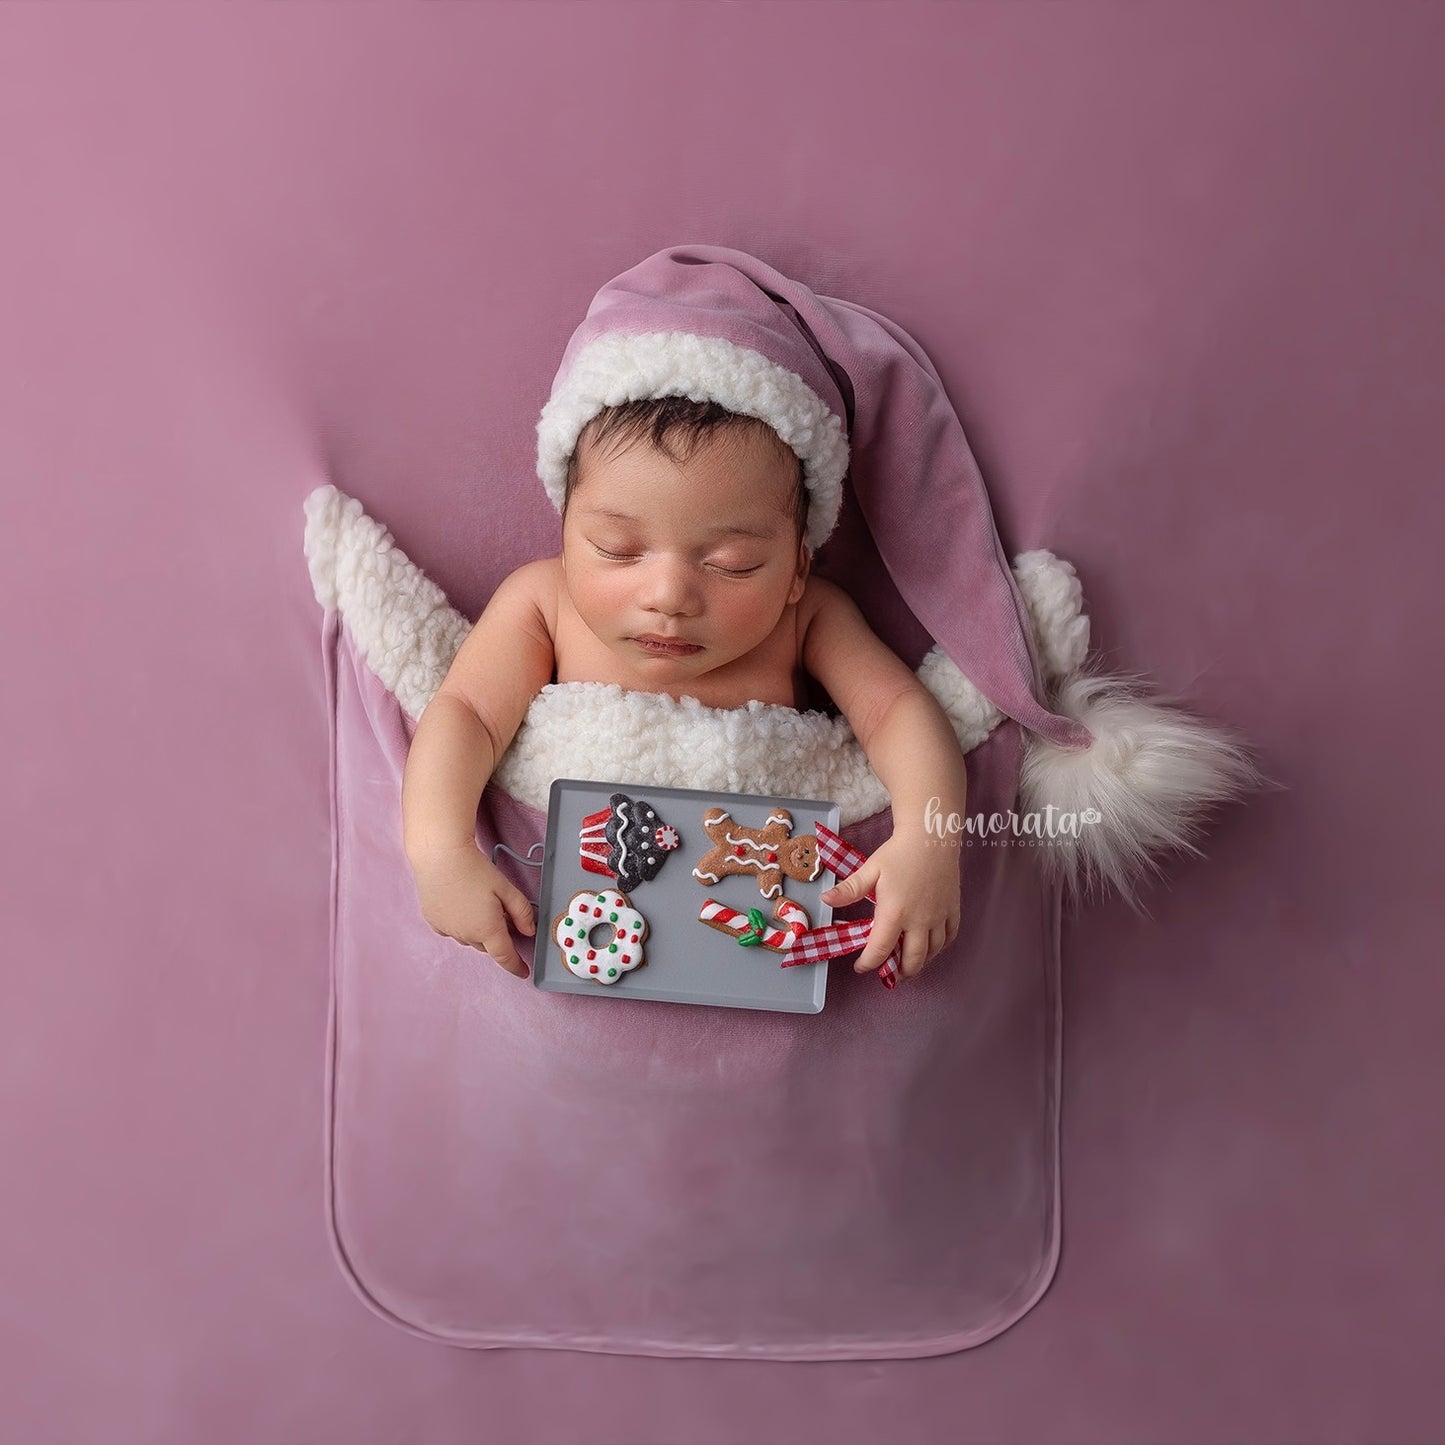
[669, 588]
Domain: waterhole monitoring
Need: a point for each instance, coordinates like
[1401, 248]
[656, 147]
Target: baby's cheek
[747, 611]
[604, 601]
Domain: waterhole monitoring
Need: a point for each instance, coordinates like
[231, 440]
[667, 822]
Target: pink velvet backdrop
[1180, 266]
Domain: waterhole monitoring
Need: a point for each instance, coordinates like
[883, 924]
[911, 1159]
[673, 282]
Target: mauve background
[1180, 266]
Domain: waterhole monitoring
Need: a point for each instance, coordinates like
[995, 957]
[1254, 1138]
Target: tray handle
[527, 862]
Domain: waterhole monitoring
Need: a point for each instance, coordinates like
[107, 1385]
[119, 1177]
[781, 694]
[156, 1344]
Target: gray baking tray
[687, 961]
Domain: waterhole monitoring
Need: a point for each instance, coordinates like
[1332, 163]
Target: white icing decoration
[758, 864]
[621, 846]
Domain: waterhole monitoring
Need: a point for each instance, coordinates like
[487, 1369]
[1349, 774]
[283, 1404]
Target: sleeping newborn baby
[685, 570]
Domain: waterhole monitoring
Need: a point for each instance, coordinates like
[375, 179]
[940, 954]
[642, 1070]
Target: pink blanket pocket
[508, 1166]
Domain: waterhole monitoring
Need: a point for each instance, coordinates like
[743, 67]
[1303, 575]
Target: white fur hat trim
[618, 367]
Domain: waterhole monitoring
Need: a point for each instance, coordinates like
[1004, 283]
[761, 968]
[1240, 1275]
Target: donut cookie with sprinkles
[600, 935]
[767, 852]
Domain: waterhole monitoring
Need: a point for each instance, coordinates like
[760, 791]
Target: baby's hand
[463, 895]
[918, 891]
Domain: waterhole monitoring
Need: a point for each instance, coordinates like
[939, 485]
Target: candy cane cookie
[751, 929]
[620, 930]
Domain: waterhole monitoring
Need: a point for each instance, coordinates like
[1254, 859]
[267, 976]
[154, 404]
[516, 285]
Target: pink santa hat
[856, 397]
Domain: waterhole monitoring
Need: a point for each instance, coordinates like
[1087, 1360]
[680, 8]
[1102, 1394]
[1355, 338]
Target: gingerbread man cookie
[768, 852]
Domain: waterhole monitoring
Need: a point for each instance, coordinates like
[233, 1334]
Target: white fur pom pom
[1150, 776]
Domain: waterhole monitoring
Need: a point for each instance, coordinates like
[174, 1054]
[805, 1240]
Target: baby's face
[683, 567]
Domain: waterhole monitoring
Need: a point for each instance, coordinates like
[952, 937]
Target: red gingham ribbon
[835, 939]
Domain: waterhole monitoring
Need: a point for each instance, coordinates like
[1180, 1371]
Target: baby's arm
[913, 748]
[504, 662]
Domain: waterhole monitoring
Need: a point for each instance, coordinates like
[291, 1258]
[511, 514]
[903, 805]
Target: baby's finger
[881, 938]
[519, 910]
[855, 886]
[500, 947]
[915, 953]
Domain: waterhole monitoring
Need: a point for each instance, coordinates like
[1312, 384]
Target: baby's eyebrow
[728, 531]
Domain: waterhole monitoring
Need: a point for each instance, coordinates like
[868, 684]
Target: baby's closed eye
[728, 566]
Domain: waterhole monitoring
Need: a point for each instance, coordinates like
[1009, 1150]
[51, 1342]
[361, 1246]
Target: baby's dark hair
[660, 419]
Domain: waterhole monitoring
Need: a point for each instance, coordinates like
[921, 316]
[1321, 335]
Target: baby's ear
[805, 565]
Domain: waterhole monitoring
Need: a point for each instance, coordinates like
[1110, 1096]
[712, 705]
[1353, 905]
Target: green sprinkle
[612, 918]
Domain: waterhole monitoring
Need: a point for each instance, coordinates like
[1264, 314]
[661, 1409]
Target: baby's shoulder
[539, 581]
[819, 595]
[544, 572]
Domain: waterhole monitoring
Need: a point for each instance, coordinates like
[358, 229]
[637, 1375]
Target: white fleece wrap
[618, 367]
[1151, 774]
